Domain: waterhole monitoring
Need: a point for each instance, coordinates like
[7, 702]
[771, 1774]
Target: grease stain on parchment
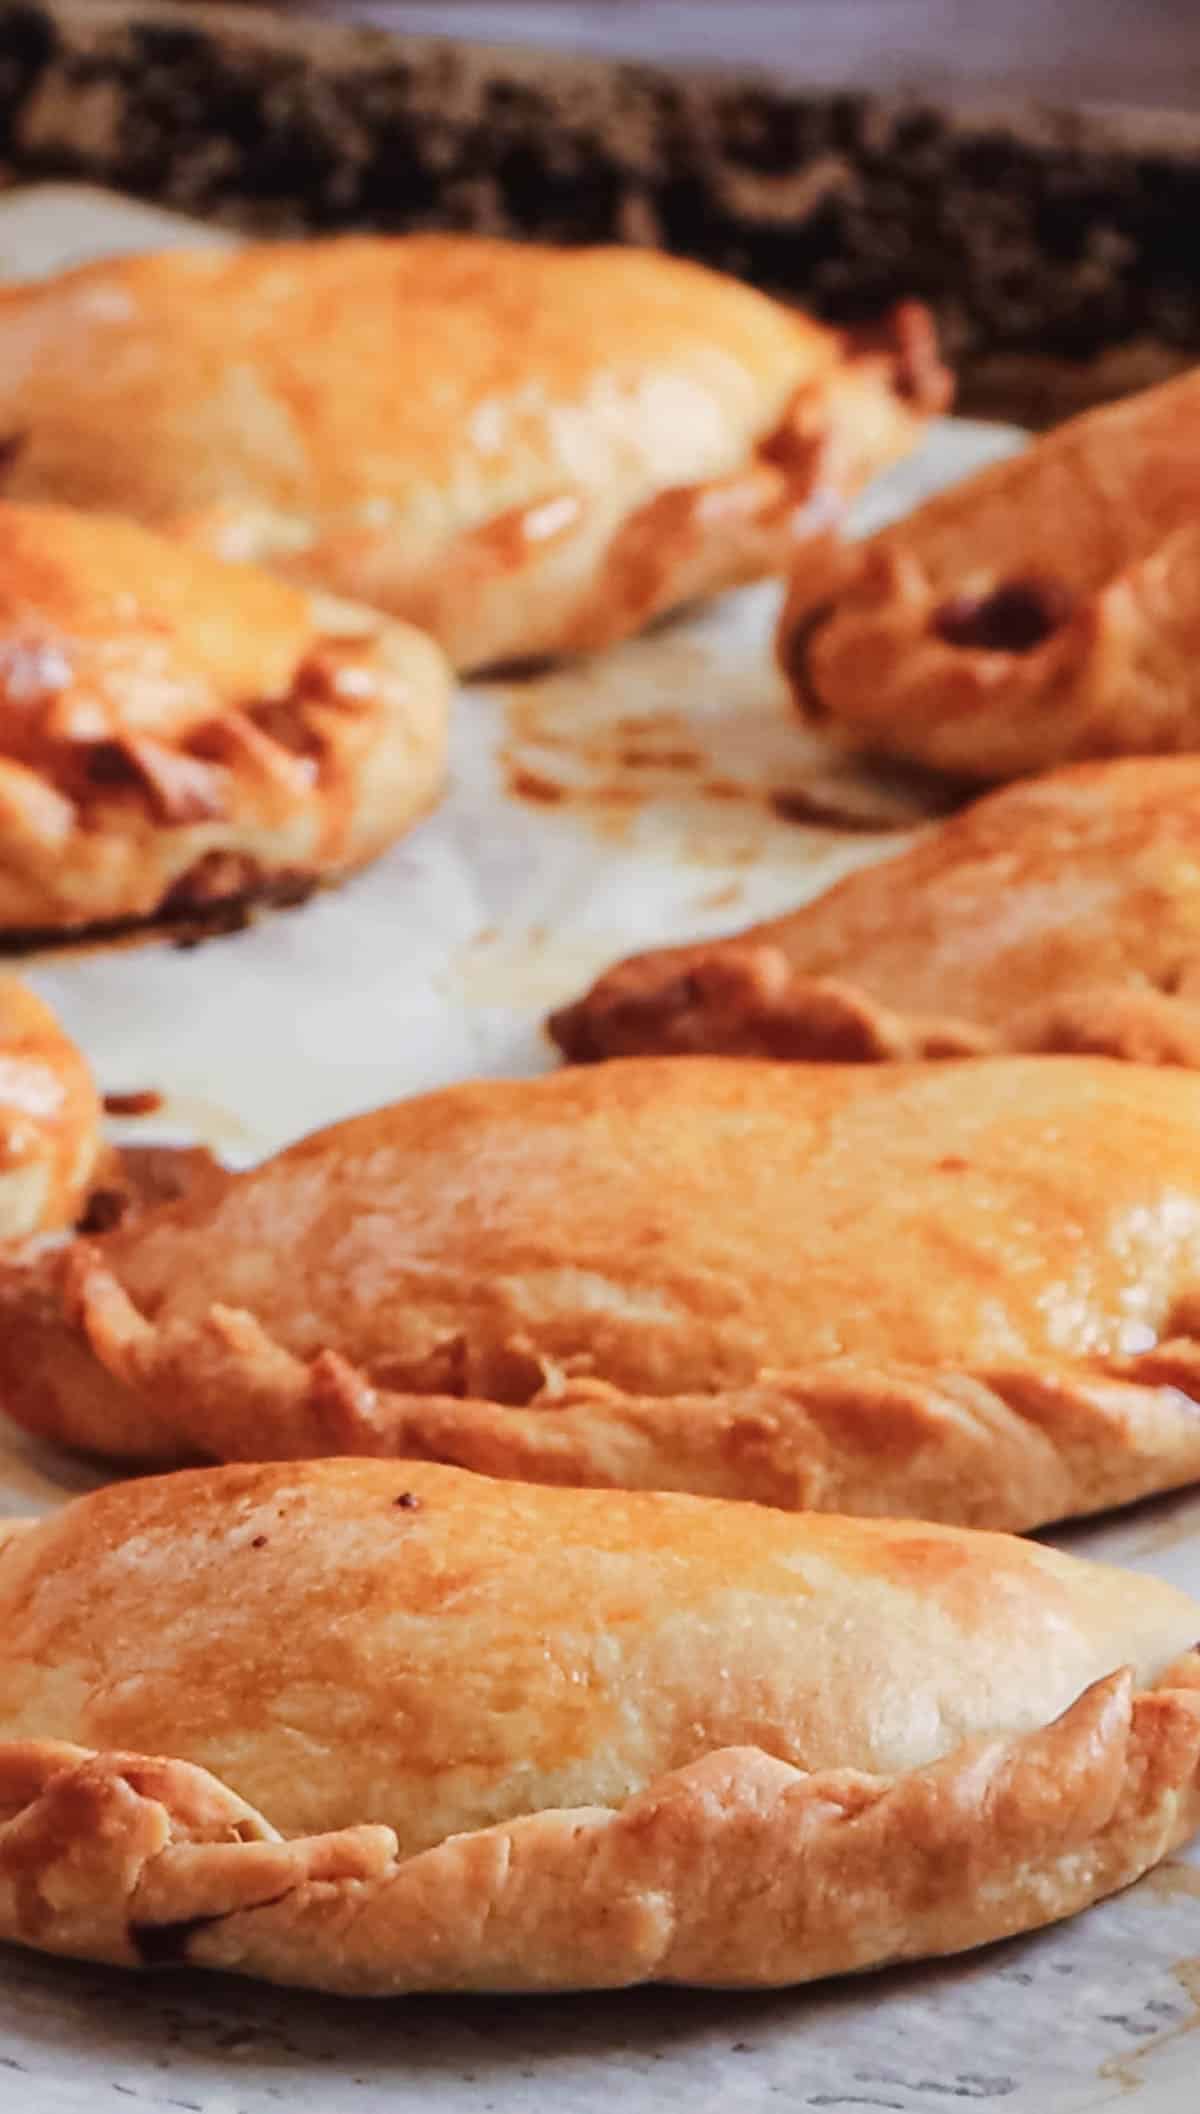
[195, 1120]
[1125, 2070]
[533, 968]
[1173, 1882]
[686, 746]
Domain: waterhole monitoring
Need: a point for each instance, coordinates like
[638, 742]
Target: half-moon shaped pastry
[51, 1144]
[376, 1728]
[178, 734]
[1045, 610]
[523, 450]
[1062, 913]
[967, 1292]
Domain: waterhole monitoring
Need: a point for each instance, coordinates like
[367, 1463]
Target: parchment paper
[641, 797]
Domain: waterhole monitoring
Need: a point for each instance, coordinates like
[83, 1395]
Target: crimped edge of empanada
[256, 806]
[736, 1869]
[1003, 1447]
[885, 664]
[743, 998]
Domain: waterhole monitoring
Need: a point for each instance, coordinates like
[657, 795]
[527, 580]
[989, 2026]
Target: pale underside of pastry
[380, 1727]
[1043, 611]
[522, 450]
[51, 1143]
[917, 1290]
[1062, 913]
[178, 734]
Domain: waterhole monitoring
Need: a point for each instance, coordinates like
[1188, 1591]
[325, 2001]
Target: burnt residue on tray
[139, 1101]
[183, 925]
[564, 749]
[607, 768]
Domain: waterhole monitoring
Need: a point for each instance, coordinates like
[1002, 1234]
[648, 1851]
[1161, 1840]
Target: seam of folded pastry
[794, 639]
[743, 998]
[916, 676]
[675, 545]
[991, 714]
[188, 776]
[285, 819]
[798, 476]
[735, 1867]
[1010, 1447]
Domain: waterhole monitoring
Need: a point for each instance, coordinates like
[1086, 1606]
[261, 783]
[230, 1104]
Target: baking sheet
[648, 795]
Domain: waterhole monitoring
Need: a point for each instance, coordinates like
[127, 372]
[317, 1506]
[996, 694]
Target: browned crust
[1003, 1448]
[684, 542]
[616, 432]
[738, 1869]
[182, 738]
[272, 833]
[746, 1000]
[1096, 525]
[140, 1177]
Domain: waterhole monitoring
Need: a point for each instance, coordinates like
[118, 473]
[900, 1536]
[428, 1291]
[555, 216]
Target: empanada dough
[523, 450]
[1062, 913]
[967, 1292]
[377, 1727]
[51, 1143]
[1043, 611]
[178, 734]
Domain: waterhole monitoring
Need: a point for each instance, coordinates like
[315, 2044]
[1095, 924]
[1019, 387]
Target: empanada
[51, 1144]
[966, 1292]
[177, 734]
[523, 450]
[375, 1727]
[1044, 610]
[1062, 913]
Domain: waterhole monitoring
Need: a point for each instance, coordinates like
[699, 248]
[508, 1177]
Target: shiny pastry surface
[1062, 913]
[916, 1289]
[177, 733]
[379, 1726]
[522, 450]
[1044, 611]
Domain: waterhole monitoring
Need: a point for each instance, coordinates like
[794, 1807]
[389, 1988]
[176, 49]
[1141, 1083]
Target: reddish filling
[1014, 618]
[144, 1101]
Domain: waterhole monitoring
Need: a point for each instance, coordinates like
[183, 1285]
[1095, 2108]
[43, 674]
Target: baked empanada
[51, 1145]
[1045, 610]
[375, 1727]
[177, 734]
[523, 450]
[1062, 913]
[964, 1292]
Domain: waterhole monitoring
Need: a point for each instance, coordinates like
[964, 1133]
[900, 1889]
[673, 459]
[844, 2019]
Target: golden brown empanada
[1044, 610]
[523, 450]
[376, 1727]
[177, 734]
[965, 1292]
[1062, 913]
[51, 1147]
